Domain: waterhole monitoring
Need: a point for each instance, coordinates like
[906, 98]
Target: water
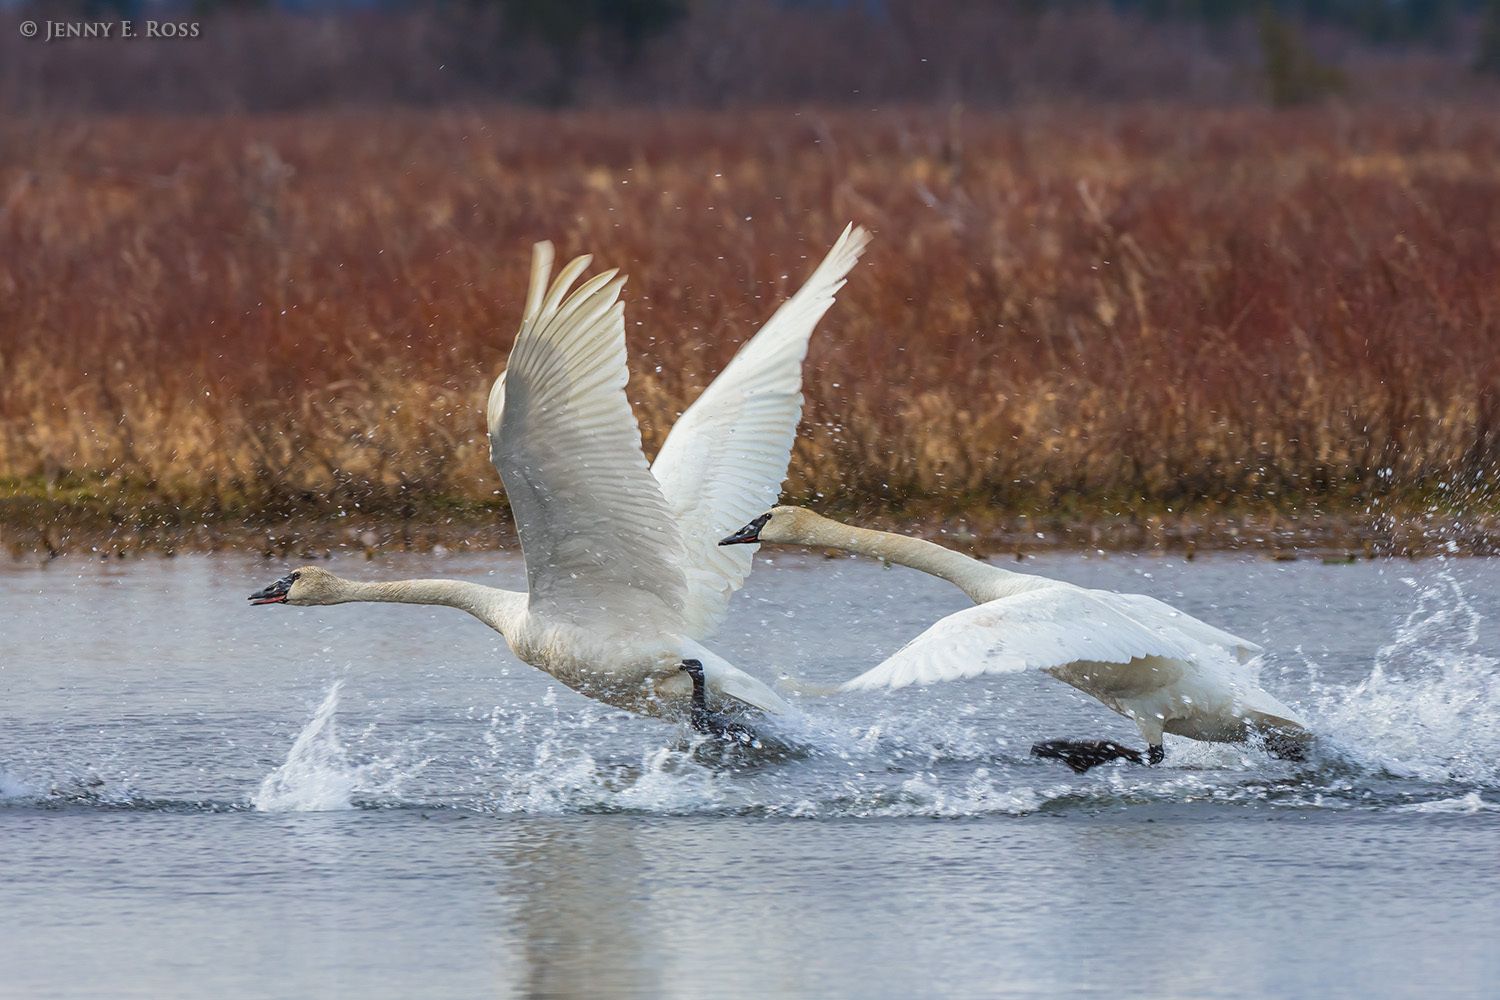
[201, 798]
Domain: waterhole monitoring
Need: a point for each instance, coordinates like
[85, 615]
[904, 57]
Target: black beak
[749, 533]
[275, 593]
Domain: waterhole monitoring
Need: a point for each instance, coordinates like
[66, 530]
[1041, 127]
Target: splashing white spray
[317, 774]
[1430, 707]
[13, 788]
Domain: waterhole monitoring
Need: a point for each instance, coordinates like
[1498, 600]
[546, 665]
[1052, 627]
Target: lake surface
[201, 798]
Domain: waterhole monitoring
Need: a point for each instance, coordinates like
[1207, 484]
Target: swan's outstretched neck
[980, 581]
[499, 609]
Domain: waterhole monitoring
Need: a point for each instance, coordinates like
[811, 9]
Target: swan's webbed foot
[1081, 755]
[726, 729]
[1285, 744]
[711, 723]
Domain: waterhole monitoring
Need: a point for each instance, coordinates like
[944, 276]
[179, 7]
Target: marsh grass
[1137, 313]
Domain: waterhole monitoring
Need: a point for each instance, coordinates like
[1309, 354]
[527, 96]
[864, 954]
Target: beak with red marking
[749, 534]
[276, 593]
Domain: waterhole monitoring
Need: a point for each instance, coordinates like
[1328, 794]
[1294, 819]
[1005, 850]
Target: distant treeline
[1387, 21]
[261, 55]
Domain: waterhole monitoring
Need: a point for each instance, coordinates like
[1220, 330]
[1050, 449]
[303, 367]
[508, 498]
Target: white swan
[1163, 669]
[622, 572]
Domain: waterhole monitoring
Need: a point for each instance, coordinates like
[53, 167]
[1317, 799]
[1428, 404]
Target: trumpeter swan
[1163, 669]
[623, 576]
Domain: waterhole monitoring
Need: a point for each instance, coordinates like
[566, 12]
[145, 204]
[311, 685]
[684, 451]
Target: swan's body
[1165, 670]
[623, 576]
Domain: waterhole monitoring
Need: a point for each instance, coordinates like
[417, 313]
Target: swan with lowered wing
[1163, 669]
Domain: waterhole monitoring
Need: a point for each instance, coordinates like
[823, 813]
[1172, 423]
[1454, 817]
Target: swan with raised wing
[1163, 669]
[623, 576]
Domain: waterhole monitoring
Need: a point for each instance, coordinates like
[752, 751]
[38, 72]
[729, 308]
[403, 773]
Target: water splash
[1430, 706]
[317, 775]
[1463, 805]
[565, 779]
[1416, 731]
[14, 788]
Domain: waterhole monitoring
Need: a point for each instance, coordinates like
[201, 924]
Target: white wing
[600, 545]
[1144, 608]
[1034, 630]
[726, 458]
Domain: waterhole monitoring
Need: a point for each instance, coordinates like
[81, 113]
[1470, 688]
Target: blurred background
[281, 55]
[1145, 273]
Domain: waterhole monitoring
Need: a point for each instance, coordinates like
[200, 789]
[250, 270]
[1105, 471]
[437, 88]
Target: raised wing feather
[1034, 630]
[600, 544]
[726, 458]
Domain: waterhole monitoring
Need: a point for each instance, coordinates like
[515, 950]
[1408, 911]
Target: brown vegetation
[1071, 316]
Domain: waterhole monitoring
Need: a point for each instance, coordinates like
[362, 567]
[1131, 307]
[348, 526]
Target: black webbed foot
[711, 723]
[1286, 744]
[1081, 755]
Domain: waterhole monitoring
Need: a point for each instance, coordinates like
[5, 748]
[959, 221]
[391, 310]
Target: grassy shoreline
[38, 526]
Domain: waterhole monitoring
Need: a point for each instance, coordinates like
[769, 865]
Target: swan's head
[308, 585]
[785, 525]
[694, 669]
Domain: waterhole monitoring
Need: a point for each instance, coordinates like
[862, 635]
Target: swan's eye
[296, 577]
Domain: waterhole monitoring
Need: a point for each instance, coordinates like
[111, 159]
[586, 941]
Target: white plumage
[1164, 669]
[599, 542]
[726, 457]
[1039, 629]
[623, 574]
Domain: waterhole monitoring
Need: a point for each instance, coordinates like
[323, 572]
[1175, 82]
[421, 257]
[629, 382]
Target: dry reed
[1065, 314]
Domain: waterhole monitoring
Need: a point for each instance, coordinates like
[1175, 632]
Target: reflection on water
[581, 908]
[381, 801]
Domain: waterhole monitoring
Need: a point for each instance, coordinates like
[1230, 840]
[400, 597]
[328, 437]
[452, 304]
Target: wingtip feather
[564, 281]
[541, 271]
